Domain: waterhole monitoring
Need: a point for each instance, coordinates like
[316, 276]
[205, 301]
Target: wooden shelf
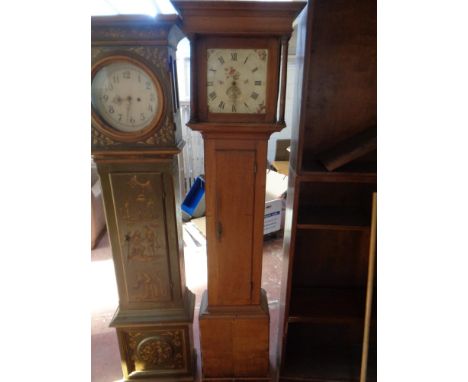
[315, 172]
[314, 176]
[327, 305]
[339, 218]
[313, 165]
[363, 168]
[336, 227]
[330, 364]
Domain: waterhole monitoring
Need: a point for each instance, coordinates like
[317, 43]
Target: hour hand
[117, 100]
[129, 104]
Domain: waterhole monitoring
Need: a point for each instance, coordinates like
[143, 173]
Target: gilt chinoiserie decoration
[136, 143]
[238, 78]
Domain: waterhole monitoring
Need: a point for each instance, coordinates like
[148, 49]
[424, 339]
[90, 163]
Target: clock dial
[237, 80]
[125, 96]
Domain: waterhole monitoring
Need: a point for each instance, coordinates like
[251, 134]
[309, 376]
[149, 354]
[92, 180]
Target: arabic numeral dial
[126, 96]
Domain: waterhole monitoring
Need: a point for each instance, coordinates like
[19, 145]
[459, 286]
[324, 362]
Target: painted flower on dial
[237, 80]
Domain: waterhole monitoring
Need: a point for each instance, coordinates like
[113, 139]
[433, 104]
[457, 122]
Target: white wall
[193, 153]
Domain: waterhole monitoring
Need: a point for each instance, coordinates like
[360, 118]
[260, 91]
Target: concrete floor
[105, 358]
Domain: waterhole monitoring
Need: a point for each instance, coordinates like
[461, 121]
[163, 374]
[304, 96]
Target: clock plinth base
[157, 345]
[157, 352]
[234, 341]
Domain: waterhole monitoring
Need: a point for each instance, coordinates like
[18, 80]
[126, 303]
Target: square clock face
[237, 80]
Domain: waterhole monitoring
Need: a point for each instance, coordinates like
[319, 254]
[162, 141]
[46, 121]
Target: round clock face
[236, 80]
[126, 96]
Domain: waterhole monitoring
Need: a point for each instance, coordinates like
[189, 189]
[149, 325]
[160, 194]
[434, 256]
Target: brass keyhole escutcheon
[219, 230]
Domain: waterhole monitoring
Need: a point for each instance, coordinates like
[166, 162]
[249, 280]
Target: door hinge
[255, 167]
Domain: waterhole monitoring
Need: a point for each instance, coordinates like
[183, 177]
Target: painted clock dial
[126, 96]
[237, 80]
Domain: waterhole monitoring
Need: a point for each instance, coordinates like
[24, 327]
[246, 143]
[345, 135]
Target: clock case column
[141, 190]
[234, 316]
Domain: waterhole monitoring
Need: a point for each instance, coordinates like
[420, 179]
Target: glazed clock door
[140, 211]
[240, 79]
[127, 101]
[126, 96]
[237, 80]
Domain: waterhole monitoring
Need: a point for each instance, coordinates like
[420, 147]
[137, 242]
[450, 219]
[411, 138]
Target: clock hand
[129, 100]
[233, 92]
[117, 100]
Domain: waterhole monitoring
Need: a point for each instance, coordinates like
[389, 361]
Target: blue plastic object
[193, 204]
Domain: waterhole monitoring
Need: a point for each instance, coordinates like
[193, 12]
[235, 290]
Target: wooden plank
[350, 149]
[370, 289]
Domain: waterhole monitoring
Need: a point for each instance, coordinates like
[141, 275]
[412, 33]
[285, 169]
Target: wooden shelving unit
[327, 364]
[332, 217]
[329, 213]
[326, 305]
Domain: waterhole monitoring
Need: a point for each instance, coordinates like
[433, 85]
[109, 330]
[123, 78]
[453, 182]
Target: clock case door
[235, 208]
[145, 233]
[270, 44]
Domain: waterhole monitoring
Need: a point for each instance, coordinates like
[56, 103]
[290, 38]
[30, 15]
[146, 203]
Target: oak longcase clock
[136, 143]
[238, 58]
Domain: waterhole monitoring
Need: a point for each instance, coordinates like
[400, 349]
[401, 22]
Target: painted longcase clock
[136, 143]
[238, 58]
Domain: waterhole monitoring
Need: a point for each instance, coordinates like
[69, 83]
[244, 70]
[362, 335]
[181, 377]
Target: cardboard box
[275, 202]
[273, 213]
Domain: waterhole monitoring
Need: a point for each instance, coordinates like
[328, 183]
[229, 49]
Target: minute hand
[129, 100]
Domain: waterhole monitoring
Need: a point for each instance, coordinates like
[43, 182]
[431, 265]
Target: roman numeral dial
[237, 80]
